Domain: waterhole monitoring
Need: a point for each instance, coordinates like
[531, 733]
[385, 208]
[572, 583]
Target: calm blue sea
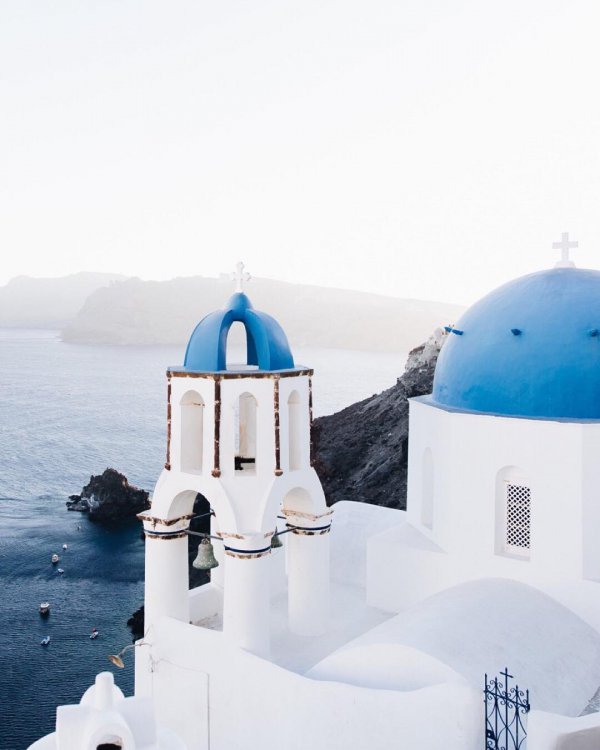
[66, 412]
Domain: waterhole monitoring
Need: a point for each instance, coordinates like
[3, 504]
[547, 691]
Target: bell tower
[239, 434]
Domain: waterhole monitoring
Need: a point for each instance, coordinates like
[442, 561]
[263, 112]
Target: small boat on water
[60, 570]
[94, 634]
[55, 558]
[45, 609]
[45, 641]
[65, 546]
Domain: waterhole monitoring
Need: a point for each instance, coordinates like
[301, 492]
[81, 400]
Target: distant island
[92, 308]
[135, 312]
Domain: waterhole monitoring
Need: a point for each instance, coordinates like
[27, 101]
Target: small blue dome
[267, 344]
[531, 348]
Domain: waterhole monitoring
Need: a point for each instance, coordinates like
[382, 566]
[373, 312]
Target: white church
[357, 626]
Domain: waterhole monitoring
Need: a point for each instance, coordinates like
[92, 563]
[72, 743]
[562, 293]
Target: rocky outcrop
[109, 498]
[360, 453]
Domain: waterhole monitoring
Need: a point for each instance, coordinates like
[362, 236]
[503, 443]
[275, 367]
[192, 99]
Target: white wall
[468, 451]
[256, 704]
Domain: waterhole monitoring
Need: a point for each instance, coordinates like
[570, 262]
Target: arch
[110, 734]
[289, 493]
[294, 432]
[191, 431]
[245, 428]
[427, 489]
[238, 347]
[174, 497]
[513, 513]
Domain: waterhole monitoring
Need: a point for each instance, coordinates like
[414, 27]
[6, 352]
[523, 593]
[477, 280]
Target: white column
[308, 577]
[246, 601]
[166, 580]
[217, 575]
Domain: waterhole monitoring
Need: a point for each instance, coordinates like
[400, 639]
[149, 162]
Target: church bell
[276, 541]
[205, 559]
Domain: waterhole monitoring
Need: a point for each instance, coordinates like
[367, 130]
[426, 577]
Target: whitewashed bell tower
[240, 435]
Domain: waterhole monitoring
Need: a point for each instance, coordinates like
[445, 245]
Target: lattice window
[518, 519]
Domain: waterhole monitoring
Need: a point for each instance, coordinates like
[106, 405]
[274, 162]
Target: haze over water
[67, 412]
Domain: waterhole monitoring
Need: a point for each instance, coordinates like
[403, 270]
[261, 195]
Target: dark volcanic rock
[136, 623]
[360, 453]
[109, 498]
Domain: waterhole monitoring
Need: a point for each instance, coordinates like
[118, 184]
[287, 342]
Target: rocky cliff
[109, 498]
[360, 453]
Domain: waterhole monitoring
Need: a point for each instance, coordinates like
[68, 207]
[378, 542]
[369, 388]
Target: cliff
[360, 453]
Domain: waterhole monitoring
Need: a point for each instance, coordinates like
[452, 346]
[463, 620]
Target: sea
[66, 412]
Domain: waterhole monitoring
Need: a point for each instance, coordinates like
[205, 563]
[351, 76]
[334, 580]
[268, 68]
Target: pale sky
[428, 149]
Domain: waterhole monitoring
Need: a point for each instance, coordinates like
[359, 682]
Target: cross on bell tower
[240, 277]
[564, 245]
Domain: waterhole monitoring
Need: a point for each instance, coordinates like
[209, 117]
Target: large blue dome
[531, 348]
[266, 342]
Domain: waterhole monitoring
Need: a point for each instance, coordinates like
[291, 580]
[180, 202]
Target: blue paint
[449, 329]
[553, 372]
[267, 344]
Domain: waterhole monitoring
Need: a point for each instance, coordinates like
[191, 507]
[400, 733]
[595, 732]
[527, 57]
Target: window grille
[518, 519]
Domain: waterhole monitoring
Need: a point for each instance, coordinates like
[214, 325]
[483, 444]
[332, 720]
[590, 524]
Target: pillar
[167, 580]
[308, 573]
[217, 575]
[247, 594]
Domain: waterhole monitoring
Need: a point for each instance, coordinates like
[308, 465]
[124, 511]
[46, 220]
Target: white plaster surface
[484, 626]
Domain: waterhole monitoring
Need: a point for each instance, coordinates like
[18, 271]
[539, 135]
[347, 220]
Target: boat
[60, 570]
[45, 641]
[94, 634]
[55, 558]
[45, 609]
[65, 546]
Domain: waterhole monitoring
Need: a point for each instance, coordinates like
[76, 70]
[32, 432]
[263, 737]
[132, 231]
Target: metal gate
[505, 711]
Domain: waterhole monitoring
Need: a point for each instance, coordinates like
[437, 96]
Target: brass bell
[205, 559]
[276, 541]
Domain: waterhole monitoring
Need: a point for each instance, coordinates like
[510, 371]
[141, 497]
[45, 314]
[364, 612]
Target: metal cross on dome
[564, 246]
[240, 276]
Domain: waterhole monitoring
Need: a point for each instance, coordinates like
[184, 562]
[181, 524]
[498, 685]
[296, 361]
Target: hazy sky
[416, 148]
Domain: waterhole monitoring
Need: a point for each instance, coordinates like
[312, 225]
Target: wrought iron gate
[505, 711]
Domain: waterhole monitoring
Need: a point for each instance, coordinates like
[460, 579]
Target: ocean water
[66, 412]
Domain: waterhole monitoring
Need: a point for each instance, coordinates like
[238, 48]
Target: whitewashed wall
[254, 703]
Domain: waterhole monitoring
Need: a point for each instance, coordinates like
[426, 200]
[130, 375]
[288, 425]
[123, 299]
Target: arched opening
[294, 431]
[191, 438]
[427, 489]
[113, 744]
[236, 356]
[513, 513]
[245, 433]
[299, 500]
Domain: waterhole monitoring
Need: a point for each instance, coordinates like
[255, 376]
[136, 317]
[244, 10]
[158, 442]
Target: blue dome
[531, 348]
[267, 344]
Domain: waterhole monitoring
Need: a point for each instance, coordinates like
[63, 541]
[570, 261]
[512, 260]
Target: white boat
[55, 558]
[45, 608]
[45, 641]
[60, 570]
[65, 546]
[94, 634]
